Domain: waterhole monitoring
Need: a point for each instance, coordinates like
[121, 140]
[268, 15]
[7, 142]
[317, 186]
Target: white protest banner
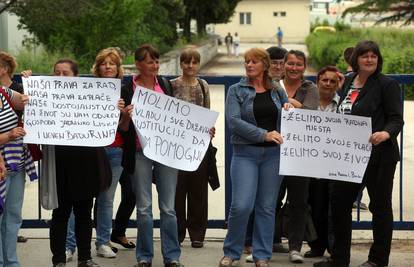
[171, 131]
[71, 111]
[324, 145]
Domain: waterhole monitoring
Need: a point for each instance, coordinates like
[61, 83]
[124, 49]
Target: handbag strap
[203, 90]
[6, 95]
[8, 99]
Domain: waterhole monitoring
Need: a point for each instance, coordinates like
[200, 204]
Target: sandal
[226, 262]
[262, 263]
[123, 241]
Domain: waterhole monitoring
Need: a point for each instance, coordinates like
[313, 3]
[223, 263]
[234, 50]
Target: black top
[380, 99]
[265, 113]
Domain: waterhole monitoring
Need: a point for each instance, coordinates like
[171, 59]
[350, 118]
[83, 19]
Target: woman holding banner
[192, 186]
[369, 93]
[80, 173]
[302, 94]
[253, 112]
[18, 161]
[144, 169]
[108, 64]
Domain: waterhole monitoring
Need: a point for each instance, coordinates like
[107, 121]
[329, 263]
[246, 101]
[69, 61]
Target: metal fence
[227, 81]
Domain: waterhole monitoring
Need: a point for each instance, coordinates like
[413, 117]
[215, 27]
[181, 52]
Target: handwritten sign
[324, 145]
[71, 110]
[171, 131]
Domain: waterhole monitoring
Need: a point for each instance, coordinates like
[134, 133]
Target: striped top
[8, 121]
[8, 118]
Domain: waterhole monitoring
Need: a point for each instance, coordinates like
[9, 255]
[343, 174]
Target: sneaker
[228, 262]
[105, 251]
[295, 257]
[249, 258]
[69, 255]
[143, 264]
[174, 264]
[88, 263]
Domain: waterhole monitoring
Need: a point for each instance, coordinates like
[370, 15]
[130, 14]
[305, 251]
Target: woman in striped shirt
[17, 161]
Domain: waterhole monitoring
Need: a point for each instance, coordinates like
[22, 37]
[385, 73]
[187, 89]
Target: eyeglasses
[278, 62]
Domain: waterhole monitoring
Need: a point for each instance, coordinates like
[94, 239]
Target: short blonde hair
[8, 61]
[115, 56]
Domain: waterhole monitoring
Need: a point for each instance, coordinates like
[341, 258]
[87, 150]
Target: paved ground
[36, 252]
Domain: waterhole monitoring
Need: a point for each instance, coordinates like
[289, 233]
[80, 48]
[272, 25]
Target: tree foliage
[206, 12]
[6, 4]
[393, 11]
[83, 27]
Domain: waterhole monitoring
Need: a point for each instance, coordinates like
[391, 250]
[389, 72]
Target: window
[245, 18]
[279, 14]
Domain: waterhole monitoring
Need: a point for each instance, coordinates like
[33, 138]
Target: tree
[394, 11]
[83, 27]
[205, 12]
[6, 4]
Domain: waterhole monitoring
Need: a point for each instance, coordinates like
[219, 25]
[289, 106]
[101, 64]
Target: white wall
[295, 25]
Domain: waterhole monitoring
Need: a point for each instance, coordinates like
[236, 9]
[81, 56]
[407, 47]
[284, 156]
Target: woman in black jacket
[369, 93]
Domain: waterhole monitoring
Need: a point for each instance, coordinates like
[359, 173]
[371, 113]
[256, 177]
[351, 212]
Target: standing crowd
[273, 81]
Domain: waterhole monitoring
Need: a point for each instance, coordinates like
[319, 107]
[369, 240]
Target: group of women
[98, 170]
[253, 112]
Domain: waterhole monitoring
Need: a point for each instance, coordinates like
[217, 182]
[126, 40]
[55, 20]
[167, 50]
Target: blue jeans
[255, 184]
[70, 236]
[105, 200]
[166, 182]
[11, 219]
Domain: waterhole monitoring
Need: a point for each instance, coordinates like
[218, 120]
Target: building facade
[11, 37]
[258, 20]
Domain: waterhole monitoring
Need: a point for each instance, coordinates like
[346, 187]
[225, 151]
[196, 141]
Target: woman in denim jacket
[253, 111]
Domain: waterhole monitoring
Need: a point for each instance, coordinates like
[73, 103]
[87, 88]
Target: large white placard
[71, 110]
[324, 145]
[171, 131]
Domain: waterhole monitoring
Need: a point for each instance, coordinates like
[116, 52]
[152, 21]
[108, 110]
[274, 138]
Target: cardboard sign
[324, 145]
[171, 131]
[71, 110]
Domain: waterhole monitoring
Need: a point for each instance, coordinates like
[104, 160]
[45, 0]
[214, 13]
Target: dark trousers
[192, 187]
[126, 206]
[320, 205]
[378, 179]
[297, 196]
[83, 228]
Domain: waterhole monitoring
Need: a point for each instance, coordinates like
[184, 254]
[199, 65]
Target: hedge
[326, 48]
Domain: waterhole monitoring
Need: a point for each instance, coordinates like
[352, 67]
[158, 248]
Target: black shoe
[197, 244]
[313, 253]
[328, 263]
[369, 264]
[143, 264]
[128, 244]
[174, 264]
[21, 239]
